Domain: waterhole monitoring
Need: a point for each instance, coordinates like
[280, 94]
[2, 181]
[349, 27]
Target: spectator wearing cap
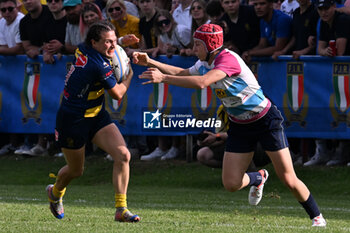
[334, 26]
[73, 38]
[275, 30]
[10, 41]
[304, 24]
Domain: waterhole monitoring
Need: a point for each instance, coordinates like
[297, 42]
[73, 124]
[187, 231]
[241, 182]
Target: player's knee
[232, 185]
[77, 172]
[203, 154]
[123, 155]
[290, 181]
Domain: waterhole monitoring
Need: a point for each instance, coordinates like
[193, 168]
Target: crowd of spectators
[163, 27]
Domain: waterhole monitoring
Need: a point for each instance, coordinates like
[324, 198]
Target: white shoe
[156, 154]
[24, 149]
[335, 162]
[59, 155]
[319, 221]
[256, 192]
[171, 154]
[317, 159]
[348, 164]
[7, 149]
[38, 151]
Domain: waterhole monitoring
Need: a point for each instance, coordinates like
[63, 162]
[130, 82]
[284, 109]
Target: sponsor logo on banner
[295, 101]
[30, 96]
[340, 100]
[117, 108]
[158, 120]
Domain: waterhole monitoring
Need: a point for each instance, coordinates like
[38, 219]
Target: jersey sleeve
[194, 70]
[227, 63]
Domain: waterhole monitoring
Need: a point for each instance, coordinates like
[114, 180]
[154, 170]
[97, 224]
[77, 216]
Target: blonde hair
[111, 2]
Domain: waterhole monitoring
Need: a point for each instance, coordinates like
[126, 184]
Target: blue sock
[311, 207]
[255, 178]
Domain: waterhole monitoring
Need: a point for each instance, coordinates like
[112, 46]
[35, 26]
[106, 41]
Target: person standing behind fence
[73, 9]
[304, 23]
[182, 14]
[275, 30]
[56, 31]
[334, 26]
[124, 23]
[82, 117]
[253, 118]
[172, 37]
[10, 41]
[199, 17]
[148, 40]
[241, 20]
[10, 44]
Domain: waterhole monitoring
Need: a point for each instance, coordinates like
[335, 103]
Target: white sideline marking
[233, 207]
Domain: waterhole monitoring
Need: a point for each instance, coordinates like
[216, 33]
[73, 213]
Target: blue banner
[312, 94]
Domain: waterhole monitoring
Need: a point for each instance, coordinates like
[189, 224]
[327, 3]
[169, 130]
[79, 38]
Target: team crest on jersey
[295, 101]
[160, 98]
[340, 100]
[117, 108]
[203, 103]
[81, 59]
[30, 96]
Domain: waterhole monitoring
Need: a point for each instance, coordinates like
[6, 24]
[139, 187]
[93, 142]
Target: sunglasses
[9, 9]
[50, 1]
[196, 8]
[110, 10]
[165, 22]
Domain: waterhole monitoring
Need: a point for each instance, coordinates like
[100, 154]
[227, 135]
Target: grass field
[169, 196]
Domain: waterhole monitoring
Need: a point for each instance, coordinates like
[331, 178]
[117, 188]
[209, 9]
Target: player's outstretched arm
[143, 59]
[153, 75]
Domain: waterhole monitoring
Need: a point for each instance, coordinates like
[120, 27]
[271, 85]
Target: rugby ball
[120, 64]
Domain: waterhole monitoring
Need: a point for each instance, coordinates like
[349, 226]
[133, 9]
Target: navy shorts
[268, 130]
[73, 131]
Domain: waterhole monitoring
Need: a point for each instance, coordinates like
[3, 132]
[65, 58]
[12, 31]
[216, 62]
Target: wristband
[217, 137]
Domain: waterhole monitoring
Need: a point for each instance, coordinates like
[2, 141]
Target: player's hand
[141, 59]
[153, 74]
[130, 39]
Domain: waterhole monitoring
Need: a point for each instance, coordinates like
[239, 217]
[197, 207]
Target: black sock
[311, 207]
[255, 178]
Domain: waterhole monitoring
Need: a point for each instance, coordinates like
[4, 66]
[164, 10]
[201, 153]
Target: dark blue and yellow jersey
[86, 82]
